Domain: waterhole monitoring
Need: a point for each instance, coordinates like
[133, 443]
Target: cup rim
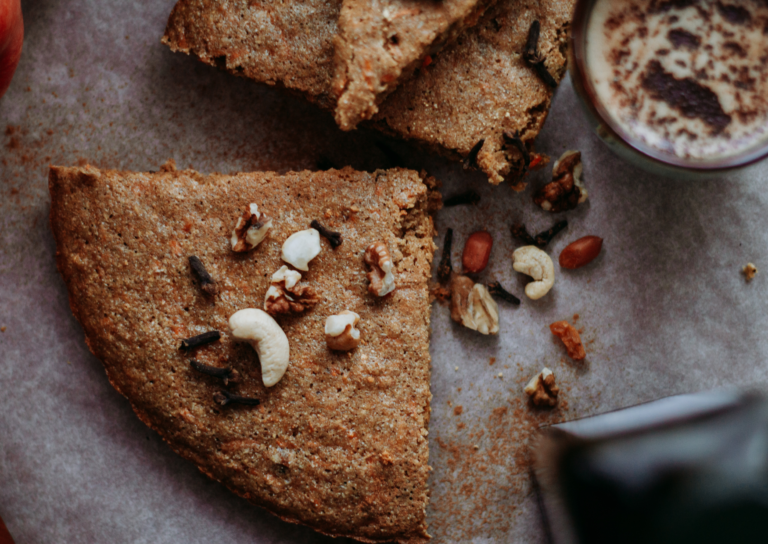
[579, 71]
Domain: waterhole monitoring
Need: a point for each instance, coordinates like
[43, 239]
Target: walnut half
[567, 190]
[380, 275]
[472, 306]
[542, 389]
[286, 296]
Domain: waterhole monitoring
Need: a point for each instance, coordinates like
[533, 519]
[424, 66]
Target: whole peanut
[581, 252]
[477, 251]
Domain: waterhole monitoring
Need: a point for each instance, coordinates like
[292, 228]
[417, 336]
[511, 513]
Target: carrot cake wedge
[273, 329]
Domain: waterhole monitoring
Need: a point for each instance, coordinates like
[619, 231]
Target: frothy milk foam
[687, 77]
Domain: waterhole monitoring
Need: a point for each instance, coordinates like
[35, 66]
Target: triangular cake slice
[382, 42]
[459, 105]
[339, 442]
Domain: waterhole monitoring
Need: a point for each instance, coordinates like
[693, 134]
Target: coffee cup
[677, 87]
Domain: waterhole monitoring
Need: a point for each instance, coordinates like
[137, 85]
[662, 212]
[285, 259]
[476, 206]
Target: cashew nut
[301, 247]
[533, 262]
[340, 331]
[265, 336]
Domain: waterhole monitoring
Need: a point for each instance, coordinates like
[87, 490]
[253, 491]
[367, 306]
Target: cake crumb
[749, 271]
[492, 361]
[2, 329]
[458, 410]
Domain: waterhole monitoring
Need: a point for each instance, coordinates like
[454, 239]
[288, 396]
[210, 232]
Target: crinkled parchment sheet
[663, 310]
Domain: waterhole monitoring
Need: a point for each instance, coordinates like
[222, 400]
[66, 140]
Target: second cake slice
[381, 42]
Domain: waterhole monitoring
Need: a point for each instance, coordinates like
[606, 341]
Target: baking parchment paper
[663, 310]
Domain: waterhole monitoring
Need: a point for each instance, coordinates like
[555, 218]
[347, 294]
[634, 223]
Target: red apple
[5, 536]
[11, 38]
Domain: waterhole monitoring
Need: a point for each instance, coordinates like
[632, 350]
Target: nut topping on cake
[285, 296]
[266, 337]
[381, 277]
[251, 228]
[340, 331]
[301, 247]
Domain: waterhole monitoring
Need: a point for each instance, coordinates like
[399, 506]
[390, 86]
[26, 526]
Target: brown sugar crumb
[749, 271]
[458, 410]
[570, 337]
[471, 502]
[575, 317]
[442, 294]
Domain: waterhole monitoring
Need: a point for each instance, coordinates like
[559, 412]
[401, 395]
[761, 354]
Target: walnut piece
[472, 305]
[570, 337]
[567, 190]
[542, 389]
[380, 275]
[286, 296]
[749, 271]
[340, 331]
[251, 228]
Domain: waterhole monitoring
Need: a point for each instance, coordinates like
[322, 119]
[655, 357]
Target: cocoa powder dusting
[687, 95]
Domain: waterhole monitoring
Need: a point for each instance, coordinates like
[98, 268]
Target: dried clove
[199, 340]
[519, 144]
[461, 199]
[533, 57]
[445, 269]
[227, 374]
[544, 238]
[496, 290]
[470, 160]
[519, 232]
[334, 238]
[225, 397]
[203, 277]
